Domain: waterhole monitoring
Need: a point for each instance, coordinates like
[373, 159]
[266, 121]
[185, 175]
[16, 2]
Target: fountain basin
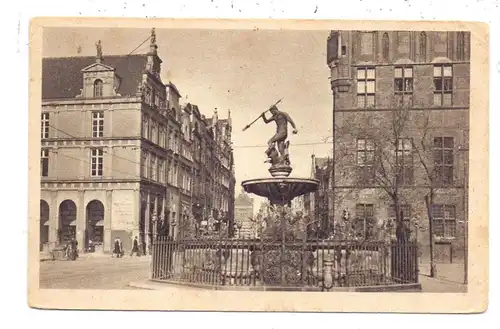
[280, 190]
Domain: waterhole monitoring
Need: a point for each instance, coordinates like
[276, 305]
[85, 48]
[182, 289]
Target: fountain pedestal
[280, 261]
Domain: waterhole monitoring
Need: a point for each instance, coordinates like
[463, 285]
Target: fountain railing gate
[257, 264]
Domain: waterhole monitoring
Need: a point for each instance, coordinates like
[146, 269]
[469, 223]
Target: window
[98, 124]
[364, 220]
[154, 133]
[44, 163]
[406, 208]
[403, 85]
[161, 169]
[147, 97]
[404, 161]
[403, 80]
[365, 159]
[98, 88]
[443, 85]
[444, 220]
[161, 136]
[45, 125]
[385, 46]
[96, 162]
[145, 164]
[153, 96]
[443, 160]
[366, 87]
[365, 152]
[461, 46]
[154, 169]
[423, 46]
[145, 126]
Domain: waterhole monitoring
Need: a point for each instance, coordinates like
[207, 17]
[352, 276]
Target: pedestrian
[117, 248]
[73, 249]
[135, 247]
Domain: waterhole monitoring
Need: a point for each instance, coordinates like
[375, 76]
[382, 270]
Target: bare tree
[383, 160]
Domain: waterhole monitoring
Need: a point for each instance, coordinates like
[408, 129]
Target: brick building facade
[376, 77]
[121, 157]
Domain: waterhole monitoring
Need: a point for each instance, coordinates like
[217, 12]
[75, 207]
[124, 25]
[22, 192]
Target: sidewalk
[431, 285]
[46, 256]
[445, 271]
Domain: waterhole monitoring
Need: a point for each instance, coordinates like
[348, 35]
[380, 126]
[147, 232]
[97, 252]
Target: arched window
[461, 46]
[98, 88]
[423, 46]
[385, 46]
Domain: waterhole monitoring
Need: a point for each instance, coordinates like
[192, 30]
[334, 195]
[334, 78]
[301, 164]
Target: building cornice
[86, 101]
[430, 108]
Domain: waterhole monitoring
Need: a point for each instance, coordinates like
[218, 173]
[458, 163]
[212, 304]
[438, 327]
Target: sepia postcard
[258, 165]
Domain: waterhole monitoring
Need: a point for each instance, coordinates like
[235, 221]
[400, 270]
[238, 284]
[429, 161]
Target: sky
[245, 71]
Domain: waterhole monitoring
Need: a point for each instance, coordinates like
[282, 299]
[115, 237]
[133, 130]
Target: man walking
[135, 247]
[117, 250]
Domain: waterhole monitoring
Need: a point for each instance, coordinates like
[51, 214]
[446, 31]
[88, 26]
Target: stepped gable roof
[62, 77]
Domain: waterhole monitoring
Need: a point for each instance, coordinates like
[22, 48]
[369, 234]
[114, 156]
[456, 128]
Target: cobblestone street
[94, 272]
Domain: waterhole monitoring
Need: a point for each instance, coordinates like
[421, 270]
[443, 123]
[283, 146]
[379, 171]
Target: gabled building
[116, 151]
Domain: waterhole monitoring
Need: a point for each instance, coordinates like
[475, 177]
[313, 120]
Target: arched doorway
[44, 223]
[94, 237]
[67, 221]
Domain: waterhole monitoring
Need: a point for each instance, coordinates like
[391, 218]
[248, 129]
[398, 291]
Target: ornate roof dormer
[153, 65]
[99, 80]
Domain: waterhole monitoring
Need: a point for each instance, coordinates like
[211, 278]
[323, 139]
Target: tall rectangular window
[365, 87]
[154, 133]
[45, 125]
[404, 161]
[443, 160]
[444, 220]
[443, 85]
[161, 170]
[365, 160]
[44, 163]
[145, 126]
[161, 136]
[154, 168]
[403, 85]
[96, 162]
[98, 124]
[145, 165]
[365, 220]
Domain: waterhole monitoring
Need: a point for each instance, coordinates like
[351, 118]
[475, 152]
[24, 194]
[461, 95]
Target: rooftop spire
[98, 47]
[152, 38]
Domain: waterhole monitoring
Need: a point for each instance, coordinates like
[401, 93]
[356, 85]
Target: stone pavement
[94, 272]
[445, 271]
[431, 285]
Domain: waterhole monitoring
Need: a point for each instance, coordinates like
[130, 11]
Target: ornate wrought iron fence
[284, 265]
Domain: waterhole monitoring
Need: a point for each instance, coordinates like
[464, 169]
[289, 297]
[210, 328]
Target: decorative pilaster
[147, 219]
[81, 224]
[107, 243]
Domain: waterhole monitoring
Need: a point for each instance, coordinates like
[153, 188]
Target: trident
[251, 123]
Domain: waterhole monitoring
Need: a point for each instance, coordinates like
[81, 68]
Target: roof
[62, 76]
[243, 200]
[171, 85]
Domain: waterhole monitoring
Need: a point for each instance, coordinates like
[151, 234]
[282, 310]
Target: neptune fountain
[283, 263]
